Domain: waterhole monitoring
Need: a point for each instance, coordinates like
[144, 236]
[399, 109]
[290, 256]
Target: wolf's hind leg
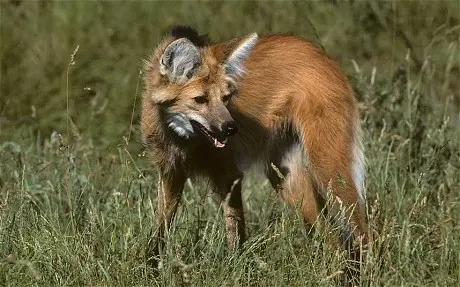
[290, 178]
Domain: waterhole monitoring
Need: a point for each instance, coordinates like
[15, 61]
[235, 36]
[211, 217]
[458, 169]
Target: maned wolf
[216, 109]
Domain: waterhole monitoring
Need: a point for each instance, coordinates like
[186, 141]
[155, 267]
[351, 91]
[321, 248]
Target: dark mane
[190, 33]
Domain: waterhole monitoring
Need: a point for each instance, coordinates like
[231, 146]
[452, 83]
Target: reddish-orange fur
[292, 94]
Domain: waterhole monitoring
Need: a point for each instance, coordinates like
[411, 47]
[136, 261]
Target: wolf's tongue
[218, 144]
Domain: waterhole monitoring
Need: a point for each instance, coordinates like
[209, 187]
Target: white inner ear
[235, 62]
[179, 60]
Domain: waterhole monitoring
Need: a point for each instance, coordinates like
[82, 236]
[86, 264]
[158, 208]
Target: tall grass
[77, 194]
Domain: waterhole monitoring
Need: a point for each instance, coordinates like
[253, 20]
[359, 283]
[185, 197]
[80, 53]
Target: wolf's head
[193, 83]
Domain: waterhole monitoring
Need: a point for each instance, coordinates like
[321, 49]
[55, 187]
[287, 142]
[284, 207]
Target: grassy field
[77, 194]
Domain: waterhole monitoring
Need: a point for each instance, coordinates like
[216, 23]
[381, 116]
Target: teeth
[225, 141]
[218, 143]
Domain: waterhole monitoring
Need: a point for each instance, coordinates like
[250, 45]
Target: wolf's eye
[231, 88]
[201, 99]
[226, 98]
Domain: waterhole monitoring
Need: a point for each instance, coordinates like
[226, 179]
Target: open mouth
[219, 143]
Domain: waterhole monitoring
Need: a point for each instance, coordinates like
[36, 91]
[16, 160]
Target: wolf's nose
[229, 128]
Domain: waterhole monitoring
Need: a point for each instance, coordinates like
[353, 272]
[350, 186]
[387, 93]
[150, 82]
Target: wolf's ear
[234, 63]
[180, 60]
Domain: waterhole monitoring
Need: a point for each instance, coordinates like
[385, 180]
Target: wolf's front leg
[234, 214]
[170, 188]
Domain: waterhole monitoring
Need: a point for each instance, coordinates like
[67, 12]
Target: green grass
[77, 195]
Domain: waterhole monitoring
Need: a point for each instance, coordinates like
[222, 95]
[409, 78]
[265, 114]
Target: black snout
[229, 128]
